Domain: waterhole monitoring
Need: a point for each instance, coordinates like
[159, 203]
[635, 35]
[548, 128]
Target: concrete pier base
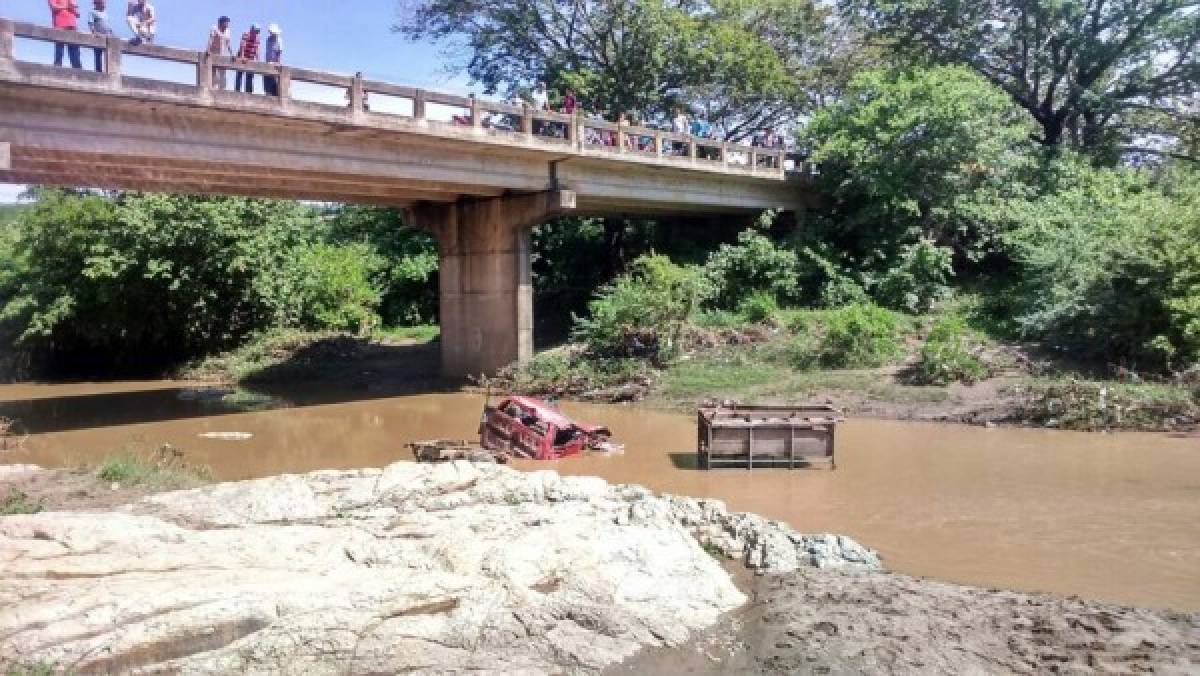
[486, 286]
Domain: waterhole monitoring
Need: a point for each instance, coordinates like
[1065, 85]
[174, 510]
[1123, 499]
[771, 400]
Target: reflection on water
[1113, 517]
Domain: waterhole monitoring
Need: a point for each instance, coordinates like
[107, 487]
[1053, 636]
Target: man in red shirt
[64, 15]
[247, 52]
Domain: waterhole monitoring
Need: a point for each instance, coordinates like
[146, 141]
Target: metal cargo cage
[766, 436]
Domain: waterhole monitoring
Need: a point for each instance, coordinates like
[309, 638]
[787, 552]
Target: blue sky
[344, 36]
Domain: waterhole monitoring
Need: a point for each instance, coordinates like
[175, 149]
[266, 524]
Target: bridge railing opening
[362, 101]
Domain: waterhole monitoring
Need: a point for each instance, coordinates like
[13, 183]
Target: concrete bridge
[479, 179]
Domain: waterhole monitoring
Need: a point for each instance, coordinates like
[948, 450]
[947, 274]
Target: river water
[1106, 516]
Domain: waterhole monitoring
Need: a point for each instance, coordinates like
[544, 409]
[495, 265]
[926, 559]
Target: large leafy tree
[735, 59]
[919, 153]
[133, 282]
[1084, 69]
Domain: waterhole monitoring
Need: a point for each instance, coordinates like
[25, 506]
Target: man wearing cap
[274, 56]
[246, 53]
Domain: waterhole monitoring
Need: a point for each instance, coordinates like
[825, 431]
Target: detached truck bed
[766, 436]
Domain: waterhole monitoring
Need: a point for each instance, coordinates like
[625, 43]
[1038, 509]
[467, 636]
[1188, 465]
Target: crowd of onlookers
[142, 19]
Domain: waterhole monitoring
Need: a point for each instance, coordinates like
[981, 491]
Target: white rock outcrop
[424, 568]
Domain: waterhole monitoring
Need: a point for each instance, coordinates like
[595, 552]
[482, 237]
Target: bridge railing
[582, 134]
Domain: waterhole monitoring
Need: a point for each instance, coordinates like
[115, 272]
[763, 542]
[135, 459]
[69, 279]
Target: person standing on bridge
[248, 51]
[64, 15]
[220, 42]
[143, 21]
[274, 56]
[98, 23]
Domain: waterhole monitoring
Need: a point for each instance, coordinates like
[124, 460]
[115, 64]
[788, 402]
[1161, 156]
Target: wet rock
[447, 567]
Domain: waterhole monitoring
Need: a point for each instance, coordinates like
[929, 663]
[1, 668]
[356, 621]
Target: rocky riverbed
[440, 568]
[460, 567]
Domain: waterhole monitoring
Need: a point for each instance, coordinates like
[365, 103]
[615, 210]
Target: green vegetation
[18, 502]
[949, 355]
[856, 336]
[642, 313]
[163, 468]
[127, 282]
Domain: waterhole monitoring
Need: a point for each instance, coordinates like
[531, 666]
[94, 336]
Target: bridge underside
[479, 195]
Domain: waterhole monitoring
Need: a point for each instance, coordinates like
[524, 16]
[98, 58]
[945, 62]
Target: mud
[869, 622]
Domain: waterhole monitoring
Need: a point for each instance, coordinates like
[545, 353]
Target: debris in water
[444, 450]
[227, 436]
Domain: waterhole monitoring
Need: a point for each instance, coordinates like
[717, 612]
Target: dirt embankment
[859, 621]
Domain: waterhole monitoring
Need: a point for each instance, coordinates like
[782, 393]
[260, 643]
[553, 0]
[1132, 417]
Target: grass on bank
[164, 468]
[19, 502]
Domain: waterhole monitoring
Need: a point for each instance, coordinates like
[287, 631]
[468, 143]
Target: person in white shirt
[220, 43]
[143, 21]
[541, 98]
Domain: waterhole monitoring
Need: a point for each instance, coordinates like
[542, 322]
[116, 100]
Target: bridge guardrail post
[621, 134]
[7, 36]
[419, 104]
[576, 130]
[693, 151]
[112, 60]
[285, 86]
[204, 75]
[753, 161]
[357, 96]
[526, 119]
[476, 113]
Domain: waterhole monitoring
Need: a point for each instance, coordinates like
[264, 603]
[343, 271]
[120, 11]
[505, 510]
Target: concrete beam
[485, 276]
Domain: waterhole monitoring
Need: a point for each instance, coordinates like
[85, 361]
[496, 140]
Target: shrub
[754, 264]
[759, 307]
[642, 313]
[333, 288]
[1111, 266]
[140, 281]
[718, 319]
[856, 336]
[947, 356]
[917, 279]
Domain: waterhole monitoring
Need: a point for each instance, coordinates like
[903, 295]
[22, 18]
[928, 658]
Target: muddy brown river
[1106, 516]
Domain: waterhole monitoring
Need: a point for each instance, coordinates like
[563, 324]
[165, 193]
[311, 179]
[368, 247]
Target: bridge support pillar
[486, 286]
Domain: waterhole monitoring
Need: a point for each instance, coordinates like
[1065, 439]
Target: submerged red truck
[531, 428]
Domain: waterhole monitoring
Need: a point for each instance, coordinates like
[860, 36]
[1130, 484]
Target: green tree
[755, 264]
[918, 163]
[1080, 68]
[642, 313]
[408, 273]
[333, 287]
[1110, 265]
[634, 56]
[136, 281]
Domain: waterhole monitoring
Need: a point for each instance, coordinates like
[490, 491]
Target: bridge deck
[133, 132]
